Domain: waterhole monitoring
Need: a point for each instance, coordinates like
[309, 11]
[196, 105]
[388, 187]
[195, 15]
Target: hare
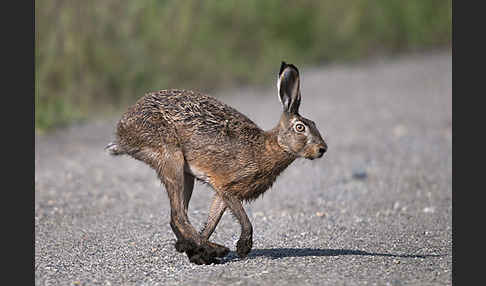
[185, 135]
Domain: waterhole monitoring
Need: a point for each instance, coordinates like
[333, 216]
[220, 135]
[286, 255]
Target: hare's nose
[322, 150]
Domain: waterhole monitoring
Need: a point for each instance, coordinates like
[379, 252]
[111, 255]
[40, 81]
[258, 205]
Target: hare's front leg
[216, 211]
[245, 242]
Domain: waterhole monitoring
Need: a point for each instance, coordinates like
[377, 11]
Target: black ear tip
[286, 65]
[293, 67]
[282, 67]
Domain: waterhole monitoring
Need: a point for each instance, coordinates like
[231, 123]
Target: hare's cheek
[293, 143]
[306, 152]
[299, 147]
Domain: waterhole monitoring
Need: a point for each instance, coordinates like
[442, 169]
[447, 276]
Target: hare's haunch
[185, 135]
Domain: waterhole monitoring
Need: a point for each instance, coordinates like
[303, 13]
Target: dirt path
[376, 209]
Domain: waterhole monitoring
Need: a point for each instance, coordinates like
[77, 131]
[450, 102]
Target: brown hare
[185, 135]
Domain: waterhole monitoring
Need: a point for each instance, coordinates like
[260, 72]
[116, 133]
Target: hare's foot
[201, 255]
[183, 245]
[206, 253]
[214, 249]
[217, 250]
[244, 246]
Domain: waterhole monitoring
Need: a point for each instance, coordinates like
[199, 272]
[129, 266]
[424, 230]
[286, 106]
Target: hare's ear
[288, 86]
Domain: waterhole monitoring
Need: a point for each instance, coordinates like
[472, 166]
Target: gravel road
[375, 210]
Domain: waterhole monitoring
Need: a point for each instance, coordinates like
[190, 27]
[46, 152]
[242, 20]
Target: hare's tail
[113, 149]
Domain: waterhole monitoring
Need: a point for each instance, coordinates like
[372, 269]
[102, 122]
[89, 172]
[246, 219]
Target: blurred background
[93, 58]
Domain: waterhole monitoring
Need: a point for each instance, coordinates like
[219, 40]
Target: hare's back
[190, 117]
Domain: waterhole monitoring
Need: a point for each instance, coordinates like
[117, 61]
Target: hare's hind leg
[188, 187]
[186, 197]
[215, 249]
[170, 168]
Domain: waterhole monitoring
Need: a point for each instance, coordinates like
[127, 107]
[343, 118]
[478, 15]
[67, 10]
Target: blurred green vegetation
[96, 56]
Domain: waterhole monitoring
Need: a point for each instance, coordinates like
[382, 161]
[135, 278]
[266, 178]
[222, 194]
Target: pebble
[360, 174]
[400, 130]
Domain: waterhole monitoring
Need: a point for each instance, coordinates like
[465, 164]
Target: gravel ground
[376, 209]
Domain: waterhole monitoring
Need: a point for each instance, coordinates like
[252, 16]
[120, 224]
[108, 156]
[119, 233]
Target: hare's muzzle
[321, 150]
[316, 151]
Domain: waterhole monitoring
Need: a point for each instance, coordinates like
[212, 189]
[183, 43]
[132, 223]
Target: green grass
[93, 56]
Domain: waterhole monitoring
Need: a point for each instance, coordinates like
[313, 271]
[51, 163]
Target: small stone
[400, 130]
[396, 205]
[360, 174]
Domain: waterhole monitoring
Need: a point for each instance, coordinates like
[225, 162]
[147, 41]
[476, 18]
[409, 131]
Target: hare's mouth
[312, 157]
[315, 156]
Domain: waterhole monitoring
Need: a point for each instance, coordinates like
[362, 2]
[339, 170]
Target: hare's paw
[201, 256]
[182, 245]
[244, 246]
[205, 253]
[217, 250]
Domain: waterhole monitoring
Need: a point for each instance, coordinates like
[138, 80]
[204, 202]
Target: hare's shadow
[276, 253]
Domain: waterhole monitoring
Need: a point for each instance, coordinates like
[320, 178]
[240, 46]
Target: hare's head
[297, 135]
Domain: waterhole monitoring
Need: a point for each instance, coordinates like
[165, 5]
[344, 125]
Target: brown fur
[186, 135]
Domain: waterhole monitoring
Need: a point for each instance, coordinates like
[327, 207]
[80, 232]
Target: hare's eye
[299, 127]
